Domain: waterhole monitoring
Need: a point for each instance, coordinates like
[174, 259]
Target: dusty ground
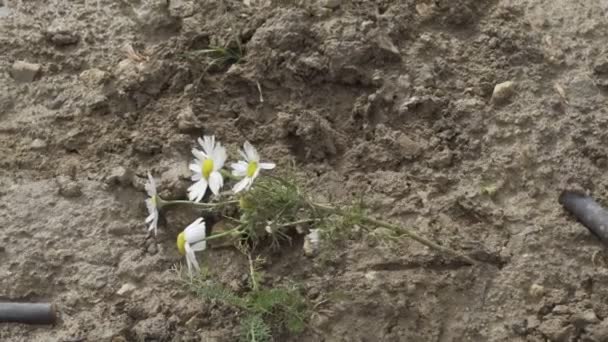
[391, 99]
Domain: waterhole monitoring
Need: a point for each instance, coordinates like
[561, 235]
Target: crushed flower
[152, 204]
[206, 167]
[248, 168]
[191, 240]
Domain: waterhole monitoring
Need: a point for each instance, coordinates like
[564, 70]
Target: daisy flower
[152, 204]
[248, 168]
[206, 167]
[191, 240]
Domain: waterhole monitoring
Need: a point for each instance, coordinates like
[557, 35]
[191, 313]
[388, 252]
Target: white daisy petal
[200, 155]
[150, 217]
[196, 177]
[215, 182]
[197, 190]
[242, 184]
[239, 169]
[199, 246]
[244, 155]
[208, 144]
[195, 167]
[191, 259]
[196, 231]
[150, 186]
[249, 183]
[154, 225]
[251, 152]
[219, 157]
[267, 166]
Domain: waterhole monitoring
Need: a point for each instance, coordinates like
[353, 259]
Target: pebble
[126, 289]
[25, 72]
[502, 92]
[536, 291]
[38, 144]
[187, 121]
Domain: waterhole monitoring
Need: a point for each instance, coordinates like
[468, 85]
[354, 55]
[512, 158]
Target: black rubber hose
[588, 212]
[28, 313]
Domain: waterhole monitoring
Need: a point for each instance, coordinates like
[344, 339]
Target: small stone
[93, 77]
[38, 144]
[68, 188]
[537, 291]
[60, 34]
[120, 175]
[25, 72]
[333, 4]
[502, 92]
[187, 121]
[126, 289]
[585, 318]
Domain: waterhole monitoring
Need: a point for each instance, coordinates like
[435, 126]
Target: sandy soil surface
[390, 99]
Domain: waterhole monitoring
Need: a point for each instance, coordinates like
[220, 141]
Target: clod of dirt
[585, 318]
[25, 72]
[152, 329]
[537, 291]
[331, 3]
[599, 332]
[93, 77]
[61, 35]
[68, 188]
[502, 92]
[120, 175]
[557, 330]
[187, 121]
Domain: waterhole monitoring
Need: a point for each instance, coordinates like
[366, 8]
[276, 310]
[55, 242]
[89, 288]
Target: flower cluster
[206, 167]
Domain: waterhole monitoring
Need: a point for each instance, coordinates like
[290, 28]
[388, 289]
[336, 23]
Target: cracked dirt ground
[391, 99]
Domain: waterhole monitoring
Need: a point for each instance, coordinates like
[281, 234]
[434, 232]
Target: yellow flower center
[207, 168]
[252, 168]
[153, 200]
[181, 243]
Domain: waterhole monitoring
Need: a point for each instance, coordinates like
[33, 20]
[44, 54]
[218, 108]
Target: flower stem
[402, 231]
[222, 234]
[162, 203]
[288, 224]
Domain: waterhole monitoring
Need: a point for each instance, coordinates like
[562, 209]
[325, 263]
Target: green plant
[258, 210]
[283, 308]
[221, 56]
